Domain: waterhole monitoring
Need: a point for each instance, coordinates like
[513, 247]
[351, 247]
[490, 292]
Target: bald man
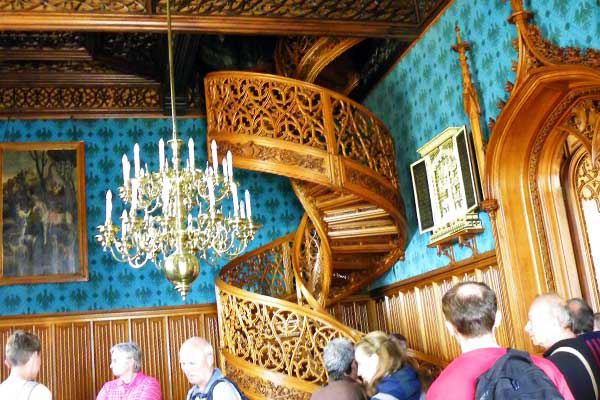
[577, 356]
[197, 361]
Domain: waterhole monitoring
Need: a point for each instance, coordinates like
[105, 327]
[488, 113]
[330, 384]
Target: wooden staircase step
[361, 223]
[346, 265]
[336, 200]
[356, 213]
[362, 232]
[354, 261]
[363, 248]
[317, 190]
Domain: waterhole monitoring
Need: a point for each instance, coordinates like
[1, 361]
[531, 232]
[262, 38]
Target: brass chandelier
[166, 222]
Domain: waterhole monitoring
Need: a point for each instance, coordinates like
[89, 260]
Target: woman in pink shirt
[131, 383]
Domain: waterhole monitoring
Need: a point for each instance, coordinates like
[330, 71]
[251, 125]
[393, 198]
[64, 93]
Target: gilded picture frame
[43, 237]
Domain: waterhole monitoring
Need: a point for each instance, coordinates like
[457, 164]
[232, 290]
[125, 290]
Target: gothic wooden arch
[522, 178]
[523, 175]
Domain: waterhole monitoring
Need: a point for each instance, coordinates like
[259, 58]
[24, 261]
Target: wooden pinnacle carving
[471, 103]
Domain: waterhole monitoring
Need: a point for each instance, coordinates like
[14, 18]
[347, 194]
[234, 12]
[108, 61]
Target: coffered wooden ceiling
[109, 57]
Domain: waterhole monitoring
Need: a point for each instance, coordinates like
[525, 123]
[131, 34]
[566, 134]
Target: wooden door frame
[523, 175]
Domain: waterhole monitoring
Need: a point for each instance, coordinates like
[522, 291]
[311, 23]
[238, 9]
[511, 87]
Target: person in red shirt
[471, 312]
[131, 383]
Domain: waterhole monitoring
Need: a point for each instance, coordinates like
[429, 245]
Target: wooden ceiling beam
[45, 21]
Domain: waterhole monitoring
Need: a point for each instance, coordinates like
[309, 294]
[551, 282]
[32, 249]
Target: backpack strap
[384, 396]
[209, 392]
[581, 358]
[31, 385]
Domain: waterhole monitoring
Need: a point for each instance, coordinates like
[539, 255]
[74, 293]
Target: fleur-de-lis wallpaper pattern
[422, 95]
[113, 285]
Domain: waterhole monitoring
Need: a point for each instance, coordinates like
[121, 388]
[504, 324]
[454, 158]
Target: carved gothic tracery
[42, 40]
[29, 99]
[266, 388]
[386, 10]
[72, 6]
[588, 182]
[257, 105]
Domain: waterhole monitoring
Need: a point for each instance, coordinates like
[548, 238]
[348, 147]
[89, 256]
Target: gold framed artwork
[43, 213]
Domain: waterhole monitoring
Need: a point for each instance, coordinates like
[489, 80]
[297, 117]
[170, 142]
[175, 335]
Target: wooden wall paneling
[48, 355]
[430, 317]
[211, 333]
[354, 313]
[149, 334]
[106, 334]
[361, 310]
[73, 361]
[439, 326]
[180, 328]
[391, 311]
[4, 334]
[76, 346]
[409, 308]
[383, 311]
[414, 307]
[505, 333]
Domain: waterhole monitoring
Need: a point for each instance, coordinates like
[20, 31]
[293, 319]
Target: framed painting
[43, 213]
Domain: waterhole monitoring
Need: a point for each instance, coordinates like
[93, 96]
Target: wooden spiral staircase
[340, 160]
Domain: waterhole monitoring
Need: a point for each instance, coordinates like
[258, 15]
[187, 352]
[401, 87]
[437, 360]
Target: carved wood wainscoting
[75, 346]
[413, 307]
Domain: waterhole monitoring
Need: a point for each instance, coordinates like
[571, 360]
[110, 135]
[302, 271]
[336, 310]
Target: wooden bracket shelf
[465, 238]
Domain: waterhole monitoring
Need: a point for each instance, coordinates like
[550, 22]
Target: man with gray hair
[197, 361]
[131, 383]
[338, 359]
[582, 316]
[577, 357]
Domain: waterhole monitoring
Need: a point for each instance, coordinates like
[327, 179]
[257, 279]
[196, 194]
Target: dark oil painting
[42, 212]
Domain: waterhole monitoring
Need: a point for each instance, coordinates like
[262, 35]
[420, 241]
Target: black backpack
[211, 388]
[514, 376]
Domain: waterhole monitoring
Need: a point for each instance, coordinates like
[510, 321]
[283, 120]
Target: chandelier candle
[165, 223]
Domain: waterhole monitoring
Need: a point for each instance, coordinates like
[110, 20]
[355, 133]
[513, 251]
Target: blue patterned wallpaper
[568, 22]
[422, 95]
[113, 285]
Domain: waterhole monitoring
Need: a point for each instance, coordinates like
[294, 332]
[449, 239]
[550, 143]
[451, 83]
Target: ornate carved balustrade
[341, 162]
[270, 346]
[270, 122]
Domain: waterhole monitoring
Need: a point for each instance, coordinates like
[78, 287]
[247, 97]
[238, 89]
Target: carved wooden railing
[271, 346]
[305, 57]
[341, 163]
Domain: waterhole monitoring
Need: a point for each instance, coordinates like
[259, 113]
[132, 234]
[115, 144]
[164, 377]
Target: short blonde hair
[390, 356]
